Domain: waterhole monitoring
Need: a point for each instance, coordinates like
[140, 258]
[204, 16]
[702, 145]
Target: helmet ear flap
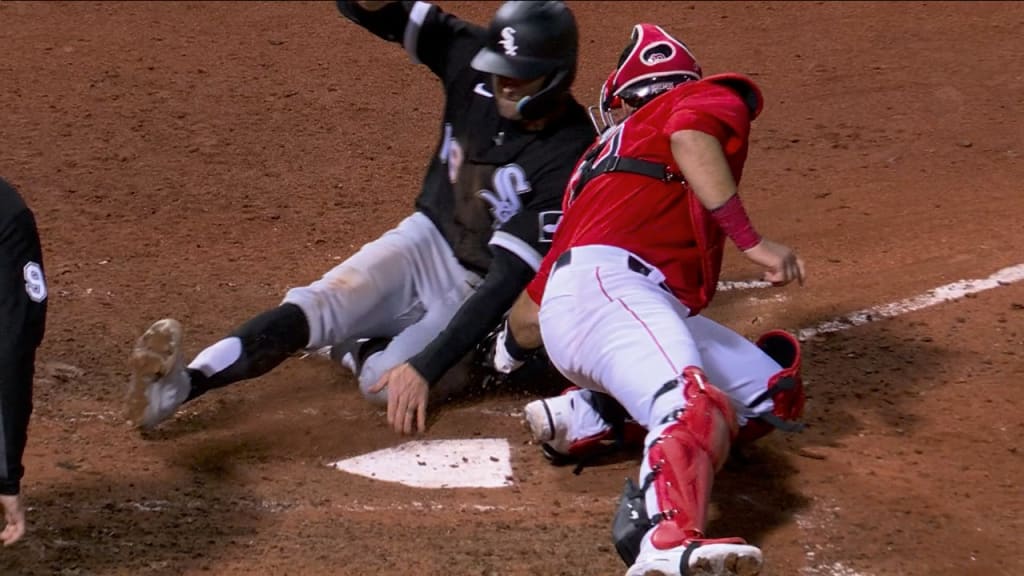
[537, 105]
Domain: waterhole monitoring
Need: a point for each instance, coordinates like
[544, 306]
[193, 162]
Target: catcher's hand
[781, 262]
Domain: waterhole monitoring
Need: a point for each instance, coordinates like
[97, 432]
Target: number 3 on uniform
[35, 283]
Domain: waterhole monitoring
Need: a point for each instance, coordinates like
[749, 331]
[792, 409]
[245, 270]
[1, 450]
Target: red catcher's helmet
[652, 63]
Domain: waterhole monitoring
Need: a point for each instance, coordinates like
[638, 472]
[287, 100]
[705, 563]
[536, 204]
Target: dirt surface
[195, 160]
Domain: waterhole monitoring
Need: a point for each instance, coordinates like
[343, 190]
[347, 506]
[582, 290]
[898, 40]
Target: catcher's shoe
[553, 424]
[719, 557]
[549, 420]
[159, 383]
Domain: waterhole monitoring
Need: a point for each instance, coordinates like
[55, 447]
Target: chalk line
[355, 505]
[818, 521]
[727, 285]
[947, 293]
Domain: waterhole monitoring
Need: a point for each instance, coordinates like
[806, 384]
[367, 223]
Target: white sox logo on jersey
[509, 183]
[508, 41]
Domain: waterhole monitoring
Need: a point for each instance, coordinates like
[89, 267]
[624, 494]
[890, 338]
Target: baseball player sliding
[635, 259]
[408, 306]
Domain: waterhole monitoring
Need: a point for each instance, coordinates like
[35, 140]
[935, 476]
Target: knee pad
[708, 419]
[785, 388]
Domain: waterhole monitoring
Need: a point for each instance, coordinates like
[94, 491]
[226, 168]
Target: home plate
[478, 463]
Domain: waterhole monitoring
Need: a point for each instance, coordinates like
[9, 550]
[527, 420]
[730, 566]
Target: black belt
[632, 262]
[564, 259]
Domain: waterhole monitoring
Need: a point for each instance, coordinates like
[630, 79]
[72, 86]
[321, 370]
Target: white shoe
[549, 421]
[159, 383]
[569, 428]
[707, 558]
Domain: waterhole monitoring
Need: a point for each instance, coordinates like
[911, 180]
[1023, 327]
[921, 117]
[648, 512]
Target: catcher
[634, 261]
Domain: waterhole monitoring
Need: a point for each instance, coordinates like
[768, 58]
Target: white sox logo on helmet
[508, 41]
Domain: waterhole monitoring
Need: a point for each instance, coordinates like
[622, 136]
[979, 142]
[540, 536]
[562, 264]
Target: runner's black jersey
[489, 183]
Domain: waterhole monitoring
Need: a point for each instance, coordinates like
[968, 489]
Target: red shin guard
[684, 460]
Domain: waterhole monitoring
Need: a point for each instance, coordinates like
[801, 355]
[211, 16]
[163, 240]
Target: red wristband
[732, 218]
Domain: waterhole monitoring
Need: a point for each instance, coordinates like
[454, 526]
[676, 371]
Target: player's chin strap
[545, 101]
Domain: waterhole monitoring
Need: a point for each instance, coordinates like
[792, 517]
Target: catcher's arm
[519, 337]
[702, 161]
[524, 324]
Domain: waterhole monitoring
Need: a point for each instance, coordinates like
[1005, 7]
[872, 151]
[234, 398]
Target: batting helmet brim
[520, 68]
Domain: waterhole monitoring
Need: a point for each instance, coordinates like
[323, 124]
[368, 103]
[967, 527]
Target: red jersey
[661, 222]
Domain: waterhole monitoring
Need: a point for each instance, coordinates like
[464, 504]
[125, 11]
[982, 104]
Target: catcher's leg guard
[687, 449]
[785, 388]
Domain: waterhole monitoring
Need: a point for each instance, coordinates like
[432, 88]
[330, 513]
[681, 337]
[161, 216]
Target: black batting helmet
[527, 40]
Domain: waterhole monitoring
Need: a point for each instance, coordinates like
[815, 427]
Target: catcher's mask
[652, 63]
[528, 40]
